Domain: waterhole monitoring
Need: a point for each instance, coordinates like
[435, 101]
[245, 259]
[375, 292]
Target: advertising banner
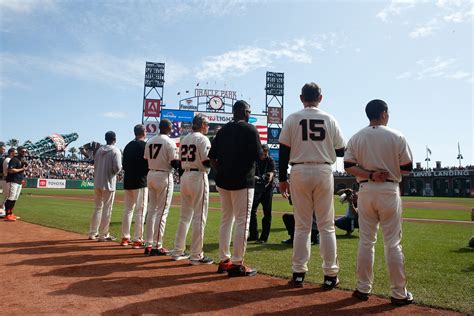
[188, 104]
[51, 184]
[273, 135]
[274, 154]
[86, 184]
[152, 107]
[151, 128]
[274, 115]
[217, 118]
[177, 115]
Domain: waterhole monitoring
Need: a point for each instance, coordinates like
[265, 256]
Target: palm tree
[73, 151]
[13, 142]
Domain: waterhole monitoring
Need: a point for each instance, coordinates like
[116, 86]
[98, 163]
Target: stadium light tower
[460, 157]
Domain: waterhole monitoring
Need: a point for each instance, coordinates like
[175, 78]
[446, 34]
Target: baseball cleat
[401, 302]
[298, 280]
[180, 256]
[10, 218]
[360, 296]
[330, 282]
[108, 238]
[148, 250]
[125, 242]
[224, 266]
[241, 270]
[159, 252]
[93, 237]
[203, 260]
[137, 244]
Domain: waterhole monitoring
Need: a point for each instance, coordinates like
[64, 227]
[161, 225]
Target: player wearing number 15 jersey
[194, 192]
[310, 141]
[162, 155]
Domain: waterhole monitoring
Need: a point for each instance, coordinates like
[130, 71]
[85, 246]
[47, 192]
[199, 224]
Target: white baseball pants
[380, 203]
[160, 193]
[312, 190]
[13, 191]
[134, 200]
[236, 206]
[194, 208]
[100, 222]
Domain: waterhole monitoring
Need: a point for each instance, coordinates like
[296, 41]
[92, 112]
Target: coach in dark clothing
[264, 171]
[233, 153]
[135, 169]
[16, 173]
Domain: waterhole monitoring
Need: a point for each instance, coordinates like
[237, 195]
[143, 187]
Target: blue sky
[78, 66]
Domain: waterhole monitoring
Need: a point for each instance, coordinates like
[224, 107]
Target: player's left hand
[284, 189]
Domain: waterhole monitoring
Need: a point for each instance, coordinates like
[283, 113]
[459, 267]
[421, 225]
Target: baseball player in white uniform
[310, 140]
[162, 155]
[12, 152]
[194, 192]
[378, 156]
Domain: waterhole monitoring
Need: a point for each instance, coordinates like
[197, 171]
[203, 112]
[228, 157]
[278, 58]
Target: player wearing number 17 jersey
[162, 155]
[310, 141]
[194, 192]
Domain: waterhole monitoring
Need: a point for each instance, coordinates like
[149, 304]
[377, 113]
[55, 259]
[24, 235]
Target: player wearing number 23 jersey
[194, 192]
[162, 155]
[310, 141]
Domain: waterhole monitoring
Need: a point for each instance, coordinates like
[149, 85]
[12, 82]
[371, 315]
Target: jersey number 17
[311, 129]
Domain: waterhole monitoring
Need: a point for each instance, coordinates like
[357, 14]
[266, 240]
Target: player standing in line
[233, 153]
[3, 175]
[378, 156]
[194, 149]
[107, 163]
[16, 173]
[135, 169]
[310, 141]
[162, 155]
[12, 152]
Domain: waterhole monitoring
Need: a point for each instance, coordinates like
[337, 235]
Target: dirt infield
[47, 270]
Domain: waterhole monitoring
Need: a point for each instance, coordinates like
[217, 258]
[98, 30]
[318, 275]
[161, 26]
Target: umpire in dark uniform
[264, 172]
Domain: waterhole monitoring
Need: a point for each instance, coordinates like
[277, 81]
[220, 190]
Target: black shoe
[288, 241]
[360, 296]
[330, 282]
[298, 280]
[252, 239]
[402, 302]
[241, 270]
[148, 249]
[315, 242]
[159, 252]
[260, 241]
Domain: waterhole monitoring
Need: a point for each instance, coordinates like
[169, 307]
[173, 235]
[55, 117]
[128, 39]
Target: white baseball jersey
[194, 149]
[5, 166]
[160, 150]
[313, 135]
[379, 147]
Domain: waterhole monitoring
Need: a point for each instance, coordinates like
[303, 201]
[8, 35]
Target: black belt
[387, 180]
[309, 162]
[159, 170]
[192, 169]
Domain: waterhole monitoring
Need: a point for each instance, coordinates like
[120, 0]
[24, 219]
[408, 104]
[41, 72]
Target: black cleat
[298, 280]
[360, 296]
[330, 282]
[402, 302]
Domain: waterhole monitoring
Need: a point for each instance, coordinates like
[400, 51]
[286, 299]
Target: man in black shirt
[135, 169]
[16, 174]
[233, 153]
[265, 169]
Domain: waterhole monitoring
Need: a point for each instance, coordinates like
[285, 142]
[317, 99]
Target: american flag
[176, 132]
[263, 131]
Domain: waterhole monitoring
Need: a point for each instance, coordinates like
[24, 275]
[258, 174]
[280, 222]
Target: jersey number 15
[310, 129]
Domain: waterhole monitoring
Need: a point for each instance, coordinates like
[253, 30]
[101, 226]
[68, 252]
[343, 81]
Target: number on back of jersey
[312, 129]
[154, 149]
[188, 152]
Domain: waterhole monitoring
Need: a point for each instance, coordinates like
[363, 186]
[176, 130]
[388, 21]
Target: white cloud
[395, 8]
[404, 75]
[444, 68]
[114, 115]
[26, 6]
[242, 61]
[112, 70]
[425, 30]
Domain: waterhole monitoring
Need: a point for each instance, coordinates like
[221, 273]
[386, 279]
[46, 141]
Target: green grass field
[438, 262]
